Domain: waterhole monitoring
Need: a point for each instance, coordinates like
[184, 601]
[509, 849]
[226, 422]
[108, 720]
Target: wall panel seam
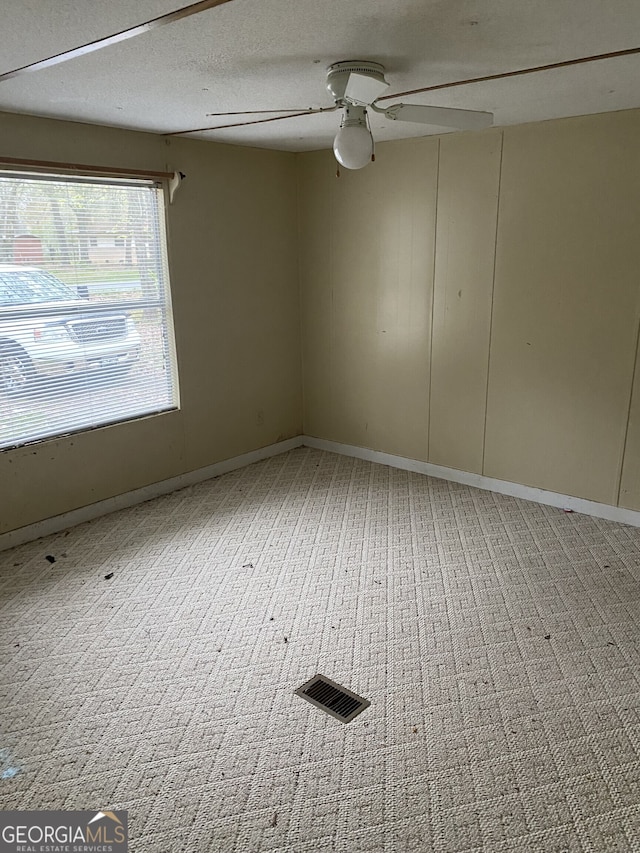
[433, 295]
[303, 410]
[626, 430]
[493, 290]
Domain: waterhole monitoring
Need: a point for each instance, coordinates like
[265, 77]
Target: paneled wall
[565, 308]
[510, 281]
[367, 255]
[470, 300]
[465, 250]
[234, 275]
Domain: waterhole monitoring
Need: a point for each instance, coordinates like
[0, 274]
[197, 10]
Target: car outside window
[22, 288]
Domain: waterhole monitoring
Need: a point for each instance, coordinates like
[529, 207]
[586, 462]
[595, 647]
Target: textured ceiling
[266, 54]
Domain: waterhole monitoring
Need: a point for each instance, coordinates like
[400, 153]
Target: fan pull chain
[373, 142]
[337, 171]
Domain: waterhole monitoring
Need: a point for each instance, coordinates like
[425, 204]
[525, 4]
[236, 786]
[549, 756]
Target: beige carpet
[496, 639]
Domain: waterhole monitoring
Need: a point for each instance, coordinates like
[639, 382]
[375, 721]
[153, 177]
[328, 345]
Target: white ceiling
[266, 54]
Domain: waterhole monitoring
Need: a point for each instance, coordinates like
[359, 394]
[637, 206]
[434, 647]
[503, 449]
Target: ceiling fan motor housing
[338, 76]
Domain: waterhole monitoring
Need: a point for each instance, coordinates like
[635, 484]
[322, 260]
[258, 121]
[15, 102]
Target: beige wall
[234, 275]
[512, 297]
[471, 300]
[465, 251]
[366, 248]
[565, 316]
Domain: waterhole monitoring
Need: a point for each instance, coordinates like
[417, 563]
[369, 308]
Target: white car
[47, 329]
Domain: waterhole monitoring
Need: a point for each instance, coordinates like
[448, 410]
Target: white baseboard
[138, 496]
[503, 487]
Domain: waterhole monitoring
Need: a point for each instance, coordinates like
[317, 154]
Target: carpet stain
[10, 772]
[8, 767]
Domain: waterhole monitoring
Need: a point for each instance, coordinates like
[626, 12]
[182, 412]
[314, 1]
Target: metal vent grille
[102, 329]
[332, 698]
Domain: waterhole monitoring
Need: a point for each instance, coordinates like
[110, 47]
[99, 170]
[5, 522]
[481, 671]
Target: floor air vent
[332, 698]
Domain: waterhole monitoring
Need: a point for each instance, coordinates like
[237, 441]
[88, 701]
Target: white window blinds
[86, 336]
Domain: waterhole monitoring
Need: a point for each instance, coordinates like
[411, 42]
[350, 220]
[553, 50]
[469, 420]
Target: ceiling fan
[357, 85]
[354, 85]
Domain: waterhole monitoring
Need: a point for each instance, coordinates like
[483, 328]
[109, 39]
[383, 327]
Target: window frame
[162, 302]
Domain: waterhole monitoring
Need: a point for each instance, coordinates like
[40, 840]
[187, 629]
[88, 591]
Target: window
[86, 336]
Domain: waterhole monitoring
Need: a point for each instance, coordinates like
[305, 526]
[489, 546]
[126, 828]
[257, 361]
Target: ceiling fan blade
[253, 121]
[439, 116]
[363, 89]
[632, 51]
[123, 35]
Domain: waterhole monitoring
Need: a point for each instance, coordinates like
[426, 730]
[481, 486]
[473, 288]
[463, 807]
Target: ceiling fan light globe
[353, 147]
